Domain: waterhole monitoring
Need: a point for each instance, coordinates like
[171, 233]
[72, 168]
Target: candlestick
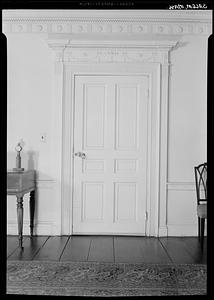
[18, 149]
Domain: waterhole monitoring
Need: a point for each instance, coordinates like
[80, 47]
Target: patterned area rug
[104, 279]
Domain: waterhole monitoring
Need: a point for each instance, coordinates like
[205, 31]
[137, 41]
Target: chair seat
[202, 210]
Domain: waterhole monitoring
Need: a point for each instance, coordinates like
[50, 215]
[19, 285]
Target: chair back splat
[201, 182]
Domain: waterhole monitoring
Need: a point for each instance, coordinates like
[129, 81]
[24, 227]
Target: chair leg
[202, 232]
[199, 228]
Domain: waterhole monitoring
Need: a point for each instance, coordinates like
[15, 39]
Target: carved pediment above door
[70, 51]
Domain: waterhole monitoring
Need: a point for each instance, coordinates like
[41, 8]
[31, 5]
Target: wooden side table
[20, 183]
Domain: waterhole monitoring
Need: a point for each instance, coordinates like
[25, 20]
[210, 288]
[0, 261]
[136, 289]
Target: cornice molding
[185, 15]
[107, 22]
[164, 44]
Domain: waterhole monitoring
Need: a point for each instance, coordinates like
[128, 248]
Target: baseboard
[40, 228]
[163, 231]
[183, 230]
[52, 228]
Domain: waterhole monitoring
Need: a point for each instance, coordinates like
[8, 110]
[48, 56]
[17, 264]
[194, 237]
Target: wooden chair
[201, 192]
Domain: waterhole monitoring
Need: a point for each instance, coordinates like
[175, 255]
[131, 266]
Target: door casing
[69, 73]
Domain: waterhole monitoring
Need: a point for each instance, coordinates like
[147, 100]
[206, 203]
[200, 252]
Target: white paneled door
[110, 154]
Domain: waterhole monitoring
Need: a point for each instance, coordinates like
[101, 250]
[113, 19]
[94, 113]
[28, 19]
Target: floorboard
[108, 249]
[12, 244]
[52, 249]
[77, 249]
[31, 247]
[153, 251]
[128, 249]
[194, 248]
[177, 250]
[101, 249]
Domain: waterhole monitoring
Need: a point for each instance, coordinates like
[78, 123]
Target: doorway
[111, 133]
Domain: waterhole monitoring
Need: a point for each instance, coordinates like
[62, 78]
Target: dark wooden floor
[108, 249]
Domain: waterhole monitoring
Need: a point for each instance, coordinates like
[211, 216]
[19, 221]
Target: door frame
[73, 58]
[153, 144]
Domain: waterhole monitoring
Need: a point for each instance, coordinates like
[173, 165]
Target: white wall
[187, 132]
[30, 113]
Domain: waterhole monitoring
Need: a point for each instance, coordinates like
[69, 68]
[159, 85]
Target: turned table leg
[20, 218]
[32, 208]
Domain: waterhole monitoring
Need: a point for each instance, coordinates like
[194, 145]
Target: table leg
[20, 218]
[32, 208]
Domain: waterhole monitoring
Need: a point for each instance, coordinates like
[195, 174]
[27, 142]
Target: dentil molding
[110, 22]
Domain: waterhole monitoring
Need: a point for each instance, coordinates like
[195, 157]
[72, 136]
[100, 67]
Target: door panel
[111, 128]
[125, 202]
[93, 199]
[94, 116]
[127, 101]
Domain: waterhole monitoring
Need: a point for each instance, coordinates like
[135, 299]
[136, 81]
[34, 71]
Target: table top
[11, 171]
